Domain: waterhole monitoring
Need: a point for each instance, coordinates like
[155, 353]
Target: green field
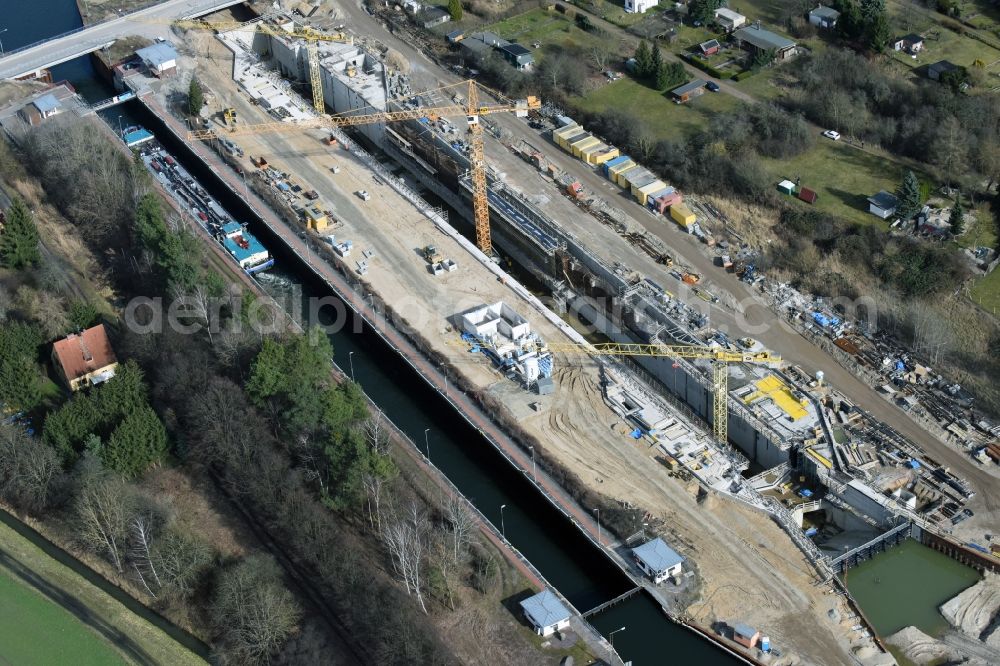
[49, 614]
[986, 292]
[661, 116]
[842, 176]
[551, 30]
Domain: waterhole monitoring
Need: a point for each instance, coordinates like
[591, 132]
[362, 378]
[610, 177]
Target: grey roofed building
[743, 629]
[432, 16]
[765, 40]
[884, 200]
[481, 43]
[823, 12]
[941, 67]
[688, 88]
[46, 104]
[158, 55]
[657, 555]
[545, 610]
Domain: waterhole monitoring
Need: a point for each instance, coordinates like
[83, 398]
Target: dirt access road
[750, 317]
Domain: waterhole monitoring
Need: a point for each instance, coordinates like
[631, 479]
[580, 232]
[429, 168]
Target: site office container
[584, 142]
[636, 179]
[590, 153]
[602, 157]
[560, 135]
[683, 216]
[646, 190]
[617, 170]
[660, 201]
[572, 137]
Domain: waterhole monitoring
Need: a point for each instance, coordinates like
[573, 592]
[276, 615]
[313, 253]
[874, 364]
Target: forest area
[345, 553]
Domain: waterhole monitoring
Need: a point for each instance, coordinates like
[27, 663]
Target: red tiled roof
[83, 353]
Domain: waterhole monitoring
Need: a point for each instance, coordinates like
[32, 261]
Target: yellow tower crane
[472, 109]
[721, 358]
[311, 37]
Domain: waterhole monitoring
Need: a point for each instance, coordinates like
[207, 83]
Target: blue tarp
[805, 492]
[913, 464]
[900, 365]
[821, 319]
[636, 434]
[812, 531]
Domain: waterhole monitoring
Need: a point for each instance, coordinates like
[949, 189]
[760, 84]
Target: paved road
[87, 40]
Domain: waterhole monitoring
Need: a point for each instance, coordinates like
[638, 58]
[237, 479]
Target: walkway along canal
[547, 536]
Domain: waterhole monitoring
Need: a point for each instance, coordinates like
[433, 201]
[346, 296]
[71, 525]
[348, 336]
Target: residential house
[518, 56]
[84, 359]
[657, 560]
[41, 108]
[935, 71]
[159, 58]
[455, 36]
[480, 44]
[546, 613]
[882, 204]
[688, 90]
[639, 6]
[824, 17]
[755, 40]
[745, 635]
[432, 16]
[729, 20]
[711, 47]
[911, 43]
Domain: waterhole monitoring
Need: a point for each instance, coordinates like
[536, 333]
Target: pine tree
[908, 195]
[455, 9]
[643, 61]
[196, 97]
[19, 239]
[879, 33]
[656, 67]
[871, 10]
[957, 217]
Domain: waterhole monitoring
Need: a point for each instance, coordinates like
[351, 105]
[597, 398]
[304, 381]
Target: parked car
[830, 134]
[712, 86]
[363, 195]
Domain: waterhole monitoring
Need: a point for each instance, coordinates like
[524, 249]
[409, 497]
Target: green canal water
[905, 585]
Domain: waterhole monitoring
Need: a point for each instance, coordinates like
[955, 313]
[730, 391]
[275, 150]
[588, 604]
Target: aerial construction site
[600, 318]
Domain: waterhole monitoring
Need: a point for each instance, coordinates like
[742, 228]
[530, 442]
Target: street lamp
[503, 530]
[611, 636]
[427, 444]
[1, 41]
[533, 475]
[121, 132]
[598, 519]
[350, 359]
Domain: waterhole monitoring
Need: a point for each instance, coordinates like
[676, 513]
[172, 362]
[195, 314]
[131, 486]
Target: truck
[229, 116]
[690, 278]
[431, 255]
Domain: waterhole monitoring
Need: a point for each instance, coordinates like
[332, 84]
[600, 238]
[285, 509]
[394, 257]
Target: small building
[622, 176]
[579, 144]
[546, 613]
[455, 36]
[711, 47]
[657, 560]
[85, 359]
[664, 199]
[755, 39]
[688, 91]
[621, 164]
[911, 43]
[559, 136]
[745, 635]
[644, 193]
[882, 204]
[41, 108]
[786, 187]
[159, 58]
[479, 44]
[316, 219]
[517, 55]
[935, 71]
[729, 20]
[639, 6]
[824, 17]
[808, 195]
[432, 16]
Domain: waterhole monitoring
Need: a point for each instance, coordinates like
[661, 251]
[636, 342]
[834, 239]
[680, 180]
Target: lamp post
[611, 636]
[121, 132]
[350, 359]
[427, 444]
[503, 529]
[533, 475]
[598, 519]
[1, 41]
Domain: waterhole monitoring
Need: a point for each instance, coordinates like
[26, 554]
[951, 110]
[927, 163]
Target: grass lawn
[941, 42]
[843, 177]
[613, 11]
[51, 615]
[664, 119]
[551, 30]
[986, 292]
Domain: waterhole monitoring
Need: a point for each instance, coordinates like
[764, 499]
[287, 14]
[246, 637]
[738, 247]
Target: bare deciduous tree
[142, 530]
[462, 523]
[406, 540]
[374, 484]
[30, 471]
[104, 507]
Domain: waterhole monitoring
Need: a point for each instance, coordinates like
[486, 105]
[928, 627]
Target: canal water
[905, 585]
[556, 548]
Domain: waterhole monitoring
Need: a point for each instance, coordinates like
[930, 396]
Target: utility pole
[503, 529]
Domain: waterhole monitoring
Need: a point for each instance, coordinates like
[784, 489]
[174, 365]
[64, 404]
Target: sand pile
[973, 610]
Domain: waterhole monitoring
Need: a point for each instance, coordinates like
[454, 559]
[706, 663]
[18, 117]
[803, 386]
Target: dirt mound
[973, 610]
[920, 648]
